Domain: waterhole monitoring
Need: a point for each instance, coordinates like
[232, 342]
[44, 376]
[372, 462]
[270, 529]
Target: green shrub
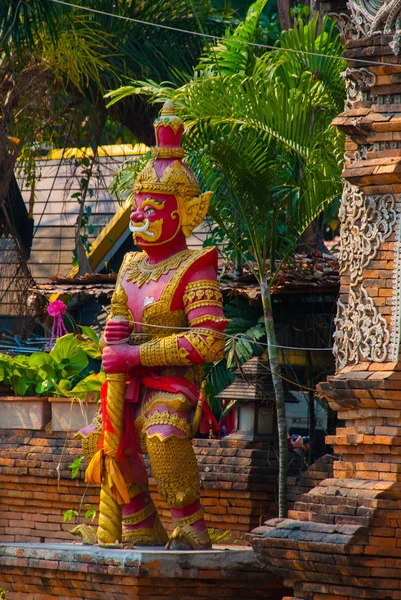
[61, 372]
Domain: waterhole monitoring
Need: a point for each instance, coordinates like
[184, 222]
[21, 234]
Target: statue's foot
[87, 533]
[188, 538]
[144, 536]
[115, 545]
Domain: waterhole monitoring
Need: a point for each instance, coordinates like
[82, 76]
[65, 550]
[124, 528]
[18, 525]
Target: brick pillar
[342, 540]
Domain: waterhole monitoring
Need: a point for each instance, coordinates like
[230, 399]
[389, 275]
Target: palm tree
[128, 48]
[73, 57]
[259, 135]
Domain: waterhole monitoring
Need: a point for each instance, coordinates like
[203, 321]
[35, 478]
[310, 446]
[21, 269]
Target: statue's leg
[141, 525]
[175, 468]
[140, 521]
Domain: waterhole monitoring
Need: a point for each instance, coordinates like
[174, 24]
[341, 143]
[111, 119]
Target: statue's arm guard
[203, 342]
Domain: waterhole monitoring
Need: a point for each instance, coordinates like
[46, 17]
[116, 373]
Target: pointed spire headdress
[165, 173]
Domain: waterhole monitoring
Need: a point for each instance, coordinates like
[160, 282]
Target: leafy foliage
[232, 55]
[75, 466]
[123, 182]
[89, 342]
[91, 513]
[61, 372]
[70, 514]
[246, 330]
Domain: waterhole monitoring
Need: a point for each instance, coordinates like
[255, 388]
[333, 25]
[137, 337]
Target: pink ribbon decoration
[56, 309]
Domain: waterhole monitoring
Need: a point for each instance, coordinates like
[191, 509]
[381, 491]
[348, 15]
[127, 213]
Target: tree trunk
[313, 9]
[279, 396]
[283, 7]
[312, 238]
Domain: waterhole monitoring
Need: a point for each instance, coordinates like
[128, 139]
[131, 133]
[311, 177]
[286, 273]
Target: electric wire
[237, 336]
[222, 39]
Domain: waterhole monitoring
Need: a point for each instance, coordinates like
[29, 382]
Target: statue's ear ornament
[193, 211]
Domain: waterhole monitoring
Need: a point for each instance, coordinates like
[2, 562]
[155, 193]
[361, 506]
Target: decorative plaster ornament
[370, 17]
[366, 222]
[358, 83]
[141, 271]
[361, 332]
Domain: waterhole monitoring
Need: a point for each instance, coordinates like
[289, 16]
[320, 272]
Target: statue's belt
[137, 339]
[164, 383]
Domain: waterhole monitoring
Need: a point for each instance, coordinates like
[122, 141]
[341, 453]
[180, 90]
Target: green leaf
[92, 351]
[69, 356]
[90, 385]
[91, 345]
[90, 514]
[90, 333]
[46, 372]
[38, 359]
[69, 514]
[21, 386]
[4, 370]
[60, 390]
[44, 387]
[64, 384]
[75, 467]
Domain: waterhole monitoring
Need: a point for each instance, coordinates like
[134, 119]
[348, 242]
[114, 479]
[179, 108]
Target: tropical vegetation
[62, 372]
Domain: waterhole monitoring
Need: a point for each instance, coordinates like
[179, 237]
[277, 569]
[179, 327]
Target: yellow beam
[107, 237]
[110, 150]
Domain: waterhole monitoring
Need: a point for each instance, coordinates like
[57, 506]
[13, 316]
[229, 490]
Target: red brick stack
[342, 539]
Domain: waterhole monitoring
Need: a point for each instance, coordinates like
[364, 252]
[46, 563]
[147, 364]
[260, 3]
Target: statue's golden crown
[174, 180]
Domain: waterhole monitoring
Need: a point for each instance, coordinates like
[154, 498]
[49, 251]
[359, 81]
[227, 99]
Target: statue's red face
[155, 219]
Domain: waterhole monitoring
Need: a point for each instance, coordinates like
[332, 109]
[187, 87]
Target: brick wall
[238, 486]
[321, 469]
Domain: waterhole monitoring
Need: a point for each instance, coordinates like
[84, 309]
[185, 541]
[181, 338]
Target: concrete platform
[70, 571]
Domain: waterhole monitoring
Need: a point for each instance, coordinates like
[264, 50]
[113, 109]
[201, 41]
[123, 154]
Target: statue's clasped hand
[120, 358]
[117, 331]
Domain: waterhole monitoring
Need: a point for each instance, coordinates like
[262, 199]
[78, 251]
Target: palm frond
[232, 55]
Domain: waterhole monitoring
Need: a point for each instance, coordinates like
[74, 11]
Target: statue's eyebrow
[153, 202]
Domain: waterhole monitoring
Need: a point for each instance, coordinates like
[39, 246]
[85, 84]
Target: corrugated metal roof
[55, 211]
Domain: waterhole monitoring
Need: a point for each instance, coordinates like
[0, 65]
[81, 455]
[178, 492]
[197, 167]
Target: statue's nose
[137, 215]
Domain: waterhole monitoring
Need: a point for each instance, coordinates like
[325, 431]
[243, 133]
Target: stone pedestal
[342, 540]
[73, 571]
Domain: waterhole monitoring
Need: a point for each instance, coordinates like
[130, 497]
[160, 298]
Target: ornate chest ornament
[141, 271]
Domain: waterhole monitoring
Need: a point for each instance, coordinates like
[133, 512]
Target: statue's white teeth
[141, 228]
